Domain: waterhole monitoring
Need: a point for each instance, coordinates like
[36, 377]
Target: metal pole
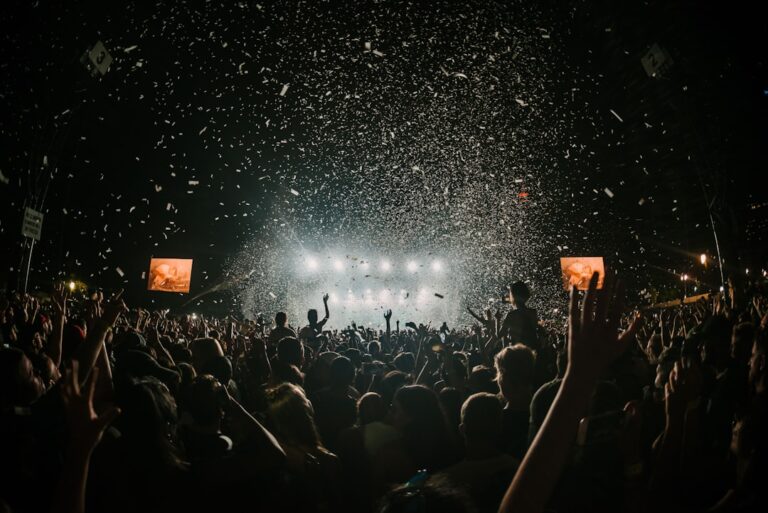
[29, 263]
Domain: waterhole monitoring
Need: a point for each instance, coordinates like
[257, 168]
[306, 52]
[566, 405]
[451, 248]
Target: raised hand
[593, 338]
[388, 315]
[113, 308]
[59, 298]
[325, 298]
[85, 425]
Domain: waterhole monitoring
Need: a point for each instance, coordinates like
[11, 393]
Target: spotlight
[311, 264]
[338, 265]
[412, 266]
[385, 265]
[71, 286]
[703, 259]
[437, 266]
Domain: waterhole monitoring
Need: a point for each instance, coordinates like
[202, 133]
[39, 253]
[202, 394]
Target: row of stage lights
[412, 266]
[384, 296]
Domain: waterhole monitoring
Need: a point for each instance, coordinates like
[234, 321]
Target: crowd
[109, 409]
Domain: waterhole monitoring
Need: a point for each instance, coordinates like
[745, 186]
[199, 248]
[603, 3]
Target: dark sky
[404, 126]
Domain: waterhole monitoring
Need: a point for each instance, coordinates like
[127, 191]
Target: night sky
[498, 136]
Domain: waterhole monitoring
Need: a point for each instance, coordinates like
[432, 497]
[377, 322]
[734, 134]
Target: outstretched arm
[103, 320]
[325, 304]
[593, 343]
[59, 300]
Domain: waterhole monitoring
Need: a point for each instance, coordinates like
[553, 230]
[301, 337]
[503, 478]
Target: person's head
[741, 342]
[20, 385]
[434, 496]
[281, 319]
[148, 420]
[220, 368]
[482, 379]
[203, 351]
[342, 373]
[374, 348]
[292, 416]
[405, 362]
[206, 401]
[312, 316]
[370, 408]
[416, 413]
[290, 351]
[758, 367]
[520, 293]
[481, 419]
[514, 369]
[390, 384]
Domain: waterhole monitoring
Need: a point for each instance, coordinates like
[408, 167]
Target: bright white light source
[311, 264]
[385, 265]
[412, 266]
[703, 259]
[338, 265]
[437, 266]
[72, 286]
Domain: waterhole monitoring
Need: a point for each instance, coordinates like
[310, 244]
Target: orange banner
[578, 270]
[170, 274]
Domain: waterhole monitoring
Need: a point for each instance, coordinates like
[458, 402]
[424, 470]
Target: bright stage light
[311, 264]
[412, 266]
[385, 265]
[71, 286]
[338, 265]
[703, 259]
[437, 266]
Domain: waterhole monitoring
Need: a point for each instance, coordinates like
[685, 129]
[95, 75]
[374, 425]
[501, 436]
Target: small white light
[338, 265]
[385, 265]
[437, 266]
[703, 259]
[311, 264]
[194, 316]
[722, 288]
[747, 271]
[412, 266]
[72, 286]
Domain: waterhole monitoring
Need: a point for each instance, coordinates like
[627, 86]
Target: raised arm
[102, 322]
[388, 319]
[59, 301]
[593, 343]
[325, 304]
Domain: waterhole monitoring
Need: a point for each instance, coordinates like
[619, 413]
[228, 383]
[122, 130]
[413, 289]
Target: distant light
[385, 265]
[338, 265]
[722, 288]
[412, 266]
[72, 286]
[703, 259]
[684, 277]
[194, 316]
[437, 266]
[747, 271]
[311, 264]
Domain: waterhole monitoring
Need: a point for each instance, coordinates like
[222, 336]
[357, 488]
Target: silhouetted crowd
[109, 409]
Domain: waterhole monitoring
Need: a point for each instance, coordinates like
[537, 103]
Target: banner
[577, 271]
[170, 274]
